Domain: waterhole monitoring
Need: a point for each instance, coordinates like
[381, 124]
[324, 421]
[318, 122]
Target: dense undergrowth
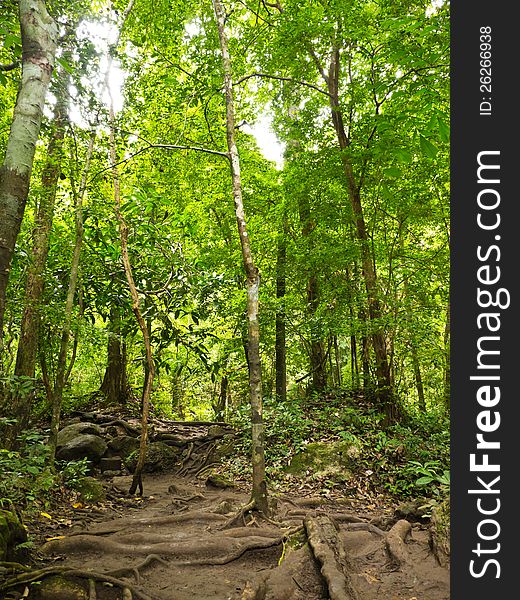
[406, 460]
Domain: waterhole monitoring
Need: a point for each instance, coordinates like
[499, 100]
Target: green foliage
[28, 481]
[403, 460]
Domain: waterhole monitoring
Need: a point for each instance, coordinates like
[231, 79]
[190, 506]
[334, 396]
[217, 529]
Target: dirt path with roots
[179, 546]
[187, 540]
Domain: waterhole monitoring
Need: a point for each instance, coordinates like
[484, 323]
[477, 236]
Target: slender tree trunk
[280, 334]
[39, 35]
[136, 304]
[317, 353]
[259, 491]
[27, 345]
[337, 360]
[115, 386]
[385, 389]
[447, 367]
[418, 378]
[61, 367]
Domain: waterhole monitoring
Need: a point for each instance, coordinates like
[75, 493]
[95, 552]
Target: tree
[259, 491]
[39, 42]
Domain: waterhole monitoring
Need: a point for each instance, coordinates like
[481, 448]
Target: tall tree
[39, 42]
[27, 343]
[259, 491]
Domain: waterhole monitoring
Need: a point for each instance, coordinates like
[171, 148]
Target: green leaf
[424, 480]
[428, 148]
[444, 130]
[65, 65]
[392, 172]
[403, 156]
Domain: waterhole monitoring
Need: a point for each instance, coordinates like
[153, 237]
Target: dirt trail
[187, 540]
[176, 548]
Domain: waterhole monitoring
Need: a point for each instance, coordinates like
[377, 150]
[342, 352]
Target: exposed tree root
[136, 568]
[253, 544]
[329, 552]
[395, 542]
[240, 517]
[30, 576]
[365, 527]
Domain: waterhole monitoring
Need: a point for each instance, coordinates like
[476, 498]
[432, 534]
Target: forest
[224, 299]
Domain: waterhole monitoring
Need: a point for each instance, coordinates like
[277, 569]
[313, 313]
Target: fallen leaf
[56, 537]
[46, 515]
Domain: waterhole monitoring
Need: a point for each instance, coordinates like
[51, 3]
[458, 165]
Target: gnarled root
[395, 542]
[329, 552]
[30, 576]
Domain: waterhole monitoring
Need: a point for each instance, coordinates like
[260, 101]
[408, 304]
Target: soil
[185, 540]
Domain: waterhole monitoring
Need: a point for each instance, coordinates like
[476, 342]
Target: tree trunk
[385, 391]
[337, 360]
[39, 35]
[447, 369]
[418, 378]
[280, 335]
[61, 368]
[27, 345]
[259, 491]
[115, 386]
[317, 353]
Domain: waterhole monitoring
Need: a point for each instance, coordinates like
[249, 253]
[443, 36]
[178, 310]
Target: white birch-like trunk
[39, 41]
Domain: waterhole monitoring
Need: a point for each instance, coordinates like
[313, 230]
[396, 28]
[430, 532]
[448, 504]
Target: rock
[159, 457]
[58, 587]
[413, 511]
[322, 458]
[90, 490]
[114, 463]
[111, 431]
[219, 481]
[12, 533]
[109, 474]
[71, 432]
[84, 445]
[123, 445]
[440, 533]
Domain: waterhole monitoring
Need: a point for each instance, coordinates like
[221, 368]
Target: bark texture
[27, 345]
[259, 492]
[39, 40]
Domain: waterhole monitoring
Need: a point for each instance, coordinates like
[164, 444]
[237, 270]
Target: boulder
[84, 445]
[90, 490]
[123, 445]
[12, 533]
[113, 463]
[71, 432]
[325, 459]
[159, 457]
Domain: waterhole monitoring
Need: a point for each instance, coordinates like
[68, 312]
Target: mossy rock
[58, 587]
[123, 445]
[333, 459]
[12, 533]
[440, 532]
[90, 490]
[71, 432]
[159, 457]
[219, 481]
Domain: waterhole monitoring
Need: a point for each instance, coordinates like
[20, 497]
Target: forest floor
[186, 540]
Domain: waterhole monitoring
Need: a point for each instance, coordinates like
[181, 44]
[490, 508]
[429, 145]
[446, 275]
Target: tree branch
[280, 78]
[10, 66]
